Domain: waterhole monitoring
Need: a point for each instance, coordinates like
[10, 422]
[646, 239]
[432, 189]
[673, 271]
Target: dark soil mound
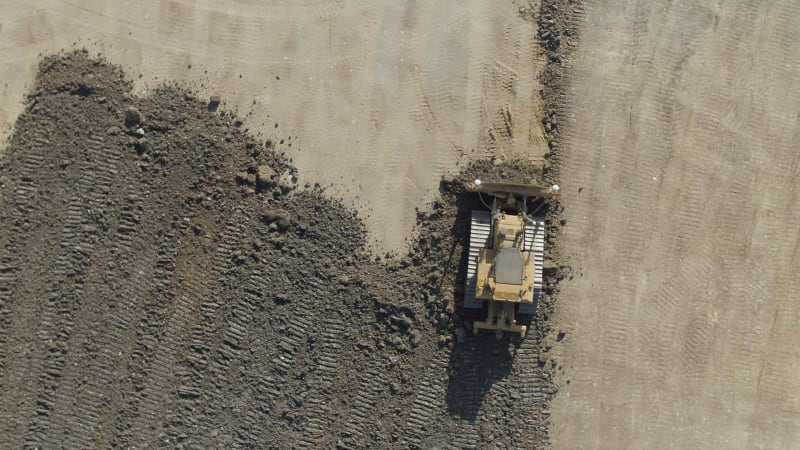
[165, 283]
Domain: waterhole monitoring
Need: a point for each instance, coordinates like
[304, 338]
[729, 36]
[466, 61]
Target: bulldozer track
[291, 342]
[371, 386]
[532, 396]
[156, 343]
[20, 205]
[534, 241]
[87, 397]
[256, 401]
[428, 402]
[76, 246]
[142, 274]
[479, 235]
[317, 426]
[204, 357]
[8, 274]
[181, 321]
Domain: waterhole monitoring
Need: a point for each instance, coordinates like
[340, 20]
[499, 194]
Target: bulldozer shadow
[476, 364]
[480, 361]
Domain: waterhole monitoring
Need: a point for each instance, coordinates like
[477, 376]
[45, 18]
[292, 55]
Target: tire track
[292, 341]
[121, 338]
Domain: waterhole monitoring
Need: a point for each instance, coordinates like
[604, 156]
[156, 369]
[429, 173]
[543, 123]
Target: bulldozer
[506, 254]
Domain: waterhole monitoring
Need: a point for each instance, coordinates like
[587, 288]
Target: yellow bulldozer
[506, 254]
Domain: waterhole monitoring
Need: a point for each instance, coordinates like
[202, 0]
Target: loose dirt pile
[166, 281]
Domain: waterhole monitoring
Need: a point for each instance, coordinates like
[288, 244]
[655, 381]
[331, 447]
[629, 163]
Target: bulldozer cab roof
[509, 266]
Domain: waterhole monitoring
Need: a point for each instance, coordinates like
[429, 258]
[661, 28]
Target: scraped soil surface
[157, 289]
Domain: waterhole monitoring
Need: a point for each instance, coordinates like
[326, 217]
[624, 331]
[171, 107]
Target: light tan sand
[682, 319]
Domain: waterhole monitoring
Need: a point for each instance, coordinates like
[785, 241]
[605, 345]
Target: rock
[403, 321]
[141, 146]
[140, 131]
[102, 100]
[280, 218]
[213, 102]
[413, 338]
[396, 341]
[245, 178]
[265, 177]
[286, 183]
[132, 117]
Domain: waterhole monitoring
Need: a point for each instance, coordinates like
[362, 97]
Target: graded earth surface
[682, 206]
[383, 98]
[196, 211]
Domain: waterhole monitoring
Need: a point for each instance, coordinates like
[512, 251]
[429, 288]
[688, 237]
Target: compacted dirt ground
[164, 281]
[680, 172]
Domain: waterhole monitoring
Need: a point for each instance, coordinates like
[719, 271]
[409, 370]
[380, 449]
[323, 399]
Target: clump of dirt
[558, 24]
[166, 280]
